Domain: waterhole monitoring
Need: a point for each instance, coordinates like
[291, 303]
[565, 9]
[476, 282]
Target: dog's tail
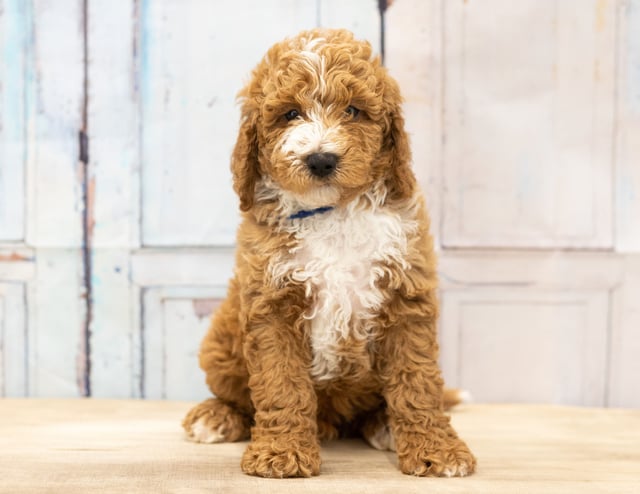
[453, 397]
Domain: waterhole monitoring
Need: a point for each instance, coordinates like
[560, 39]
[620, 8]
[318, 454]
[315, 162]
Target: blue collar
[305, 213]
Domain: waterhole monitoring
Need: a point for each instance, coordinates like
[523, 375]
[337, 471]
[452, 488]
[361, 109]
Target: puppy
[329, 324]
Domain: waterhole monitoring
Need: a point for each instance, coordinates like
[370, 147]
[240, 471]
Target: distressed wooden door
[117, 217]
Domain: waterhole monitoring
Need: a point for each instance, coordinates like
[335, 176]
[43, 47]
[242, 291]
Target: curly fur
[329, 324]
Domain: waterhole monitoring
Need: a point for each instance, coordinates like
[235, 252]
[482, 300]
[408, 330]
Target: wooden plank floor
[88, 446]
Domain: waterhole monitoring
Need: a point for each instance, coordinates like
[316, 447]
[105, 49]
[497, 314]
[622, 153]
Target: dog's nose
[322, 164]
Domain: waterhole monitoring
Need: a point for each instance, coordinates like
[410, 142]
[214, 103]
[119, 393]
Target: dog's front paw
[437, 457]
[281, 457]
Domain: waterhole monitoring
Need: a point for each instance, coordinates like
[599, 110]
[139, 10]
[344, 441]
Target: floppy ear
[401, 182]
[244, 160]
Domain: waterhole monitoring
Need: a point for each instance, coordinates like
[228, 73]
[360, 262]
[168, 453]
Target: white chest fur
[339, 258]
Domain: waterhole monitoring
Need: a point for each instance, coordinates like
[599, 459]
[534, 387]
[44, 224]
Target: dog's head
[321, 122]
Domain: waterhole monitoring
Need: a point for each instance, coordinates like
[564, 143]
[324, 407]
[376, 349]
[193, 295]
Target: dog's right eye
[291, 115]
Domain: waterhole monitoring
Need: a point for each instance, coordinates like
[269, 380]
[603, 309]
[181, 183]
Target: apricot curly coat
[329, 325]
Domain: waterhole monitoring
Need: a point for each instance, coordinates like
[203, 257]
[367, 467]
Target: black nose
[322, 164]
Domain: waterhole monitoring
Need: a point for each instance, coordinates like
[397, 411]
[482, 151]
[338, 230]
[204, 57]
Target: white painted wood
[413, 39]
[568, 270]
[624, 377]
[627, 185]
[115, 170]
[54, 190]
[13, 340]
[182, 267]
[522, 345]
[175, 321]
[16, 263]
[113, 114]
[13, 43]
[114, 326]
[359, 16]
[54, 118]
[193, 61]
[56, 325]
[528, 128]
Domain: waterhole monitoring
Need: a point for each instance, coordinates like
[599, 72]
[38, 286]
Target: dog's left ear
[400, 181]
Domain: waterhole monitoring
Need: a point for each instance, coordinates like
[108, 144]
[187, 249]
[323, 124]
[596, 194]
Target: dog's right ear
[244, 160]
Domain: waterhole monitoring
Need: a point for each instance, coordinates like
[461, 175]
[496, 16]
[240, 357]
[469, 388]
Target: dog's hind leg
[227, 417]
[213, 421]
[377, 431]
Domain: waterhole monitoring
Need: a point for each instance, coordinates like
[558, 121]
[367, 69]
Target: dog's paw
[438, 458]
[214, 422]
[280, 457]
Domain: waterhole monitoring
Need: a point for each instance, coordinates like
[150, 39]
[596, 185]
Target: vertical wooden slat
[54, 86]
[114, 169]
[627, 185]
[13, 41]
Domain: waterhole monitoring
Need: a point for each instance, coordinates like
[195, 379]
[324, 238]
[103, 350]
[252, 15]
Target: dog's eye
[352, 111]
[291, 115]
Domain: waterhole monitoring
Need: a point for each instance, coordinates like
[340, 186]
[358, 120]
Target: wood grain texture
[138, 446]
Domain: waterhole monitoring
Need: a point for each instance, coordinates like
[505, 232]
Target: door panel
[528, 119]
[526, 345]
[176, 319]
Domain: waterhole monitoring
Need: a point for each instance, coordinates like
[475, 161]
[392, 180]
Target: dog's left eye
[352, 111]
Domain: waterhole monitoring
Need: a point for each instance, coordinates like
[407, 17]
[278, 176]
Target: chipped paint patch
[204, 307]
[14, 256]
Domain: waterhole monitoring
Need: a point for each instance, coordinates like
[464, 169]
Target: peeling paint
[14, 256]
[204, 307]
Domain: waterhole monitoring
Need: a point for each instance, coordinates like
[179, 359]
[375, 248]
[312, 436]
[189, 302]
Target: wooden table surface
[88, 446]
